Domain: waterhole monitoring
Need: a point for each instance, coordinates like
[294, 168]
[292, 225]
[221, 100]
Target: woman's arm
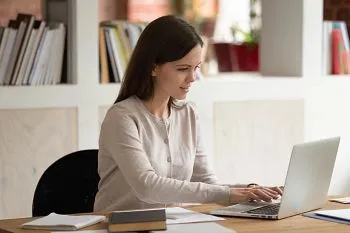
[120, 140]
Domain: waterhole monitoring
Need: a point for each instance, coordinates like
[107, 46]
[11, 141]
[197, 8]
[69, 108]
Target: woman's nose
[192, 76]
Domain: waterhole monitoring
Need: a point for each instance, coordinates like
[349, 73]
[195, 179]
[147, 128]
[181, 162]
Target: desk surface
[298, 224]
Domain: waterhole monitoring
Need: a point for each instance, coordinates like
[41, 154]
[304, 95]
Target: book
[61, 222]
[137, 220]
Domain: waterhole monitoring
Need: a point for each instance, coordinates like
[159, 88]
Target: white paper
[177, 215]
[342, 213]
[207, 227]
[55, 221]
[344, 200]
[91, 231]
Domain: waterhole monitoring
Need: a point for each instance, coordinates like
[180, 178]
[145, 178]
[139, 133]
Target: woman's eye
[182, 69]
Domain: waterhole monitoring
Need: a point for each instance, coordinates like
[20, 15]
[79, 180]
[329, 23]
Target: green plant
[246, 36]
[252, 35]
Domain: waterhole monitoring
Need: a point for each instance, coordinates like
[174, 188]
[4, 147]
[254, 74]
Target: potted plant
[244, 52]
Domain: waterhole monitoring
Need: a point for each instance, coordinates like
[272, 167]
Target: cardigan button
[168, 159]
[166, 141]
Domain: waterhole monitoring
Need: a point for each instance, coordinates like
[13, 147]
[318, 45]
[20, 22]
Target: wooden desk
[297, 224]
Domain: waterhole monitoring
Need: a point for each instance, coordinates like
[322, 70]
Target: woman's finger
[277, 189]
[265, 196]
[251, 196]
[269, 191]
[272, 192]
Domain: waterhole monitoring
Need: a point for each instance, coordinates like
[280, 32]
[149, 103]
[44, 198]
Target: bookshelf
[248, 118]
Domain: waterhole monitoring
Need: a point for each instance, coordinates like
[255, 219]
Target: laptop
[306, 185]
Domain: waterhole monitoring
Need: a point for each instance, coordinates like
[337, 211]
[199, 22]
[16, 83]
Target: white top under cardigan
[147, 162]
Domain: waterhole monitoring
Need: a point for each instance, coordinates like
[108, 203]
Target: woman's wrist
[229, 196]
[252, 185]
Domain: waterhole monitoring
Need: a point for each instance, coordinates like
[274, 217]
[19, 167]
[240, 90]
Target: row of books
[117, 39]
[31, 51]
[336, 48]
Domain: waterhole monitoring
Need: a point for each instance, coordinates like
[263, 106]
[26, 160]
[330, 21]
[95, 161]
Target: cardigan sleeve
[119, 138]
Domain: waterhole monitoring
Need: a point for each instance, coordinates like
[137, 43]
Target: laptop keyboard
[267, 210]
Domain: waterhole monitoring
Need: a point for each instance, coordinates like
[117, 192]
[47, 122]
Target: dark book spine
[137, 216]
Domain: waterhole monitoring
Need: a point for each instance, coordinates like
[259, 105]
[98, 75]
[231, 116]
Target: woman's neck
[158, 107]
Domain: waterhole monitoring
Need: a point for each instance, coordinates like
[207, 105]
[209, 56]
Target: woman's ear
[154, 71]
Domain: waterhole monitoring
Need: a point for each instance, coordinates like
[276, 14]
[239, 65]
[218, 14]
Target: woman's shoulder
[186, 107]
[123, 108]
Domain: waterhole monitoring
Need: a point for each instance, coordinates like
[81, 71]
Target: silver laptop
[306, 186]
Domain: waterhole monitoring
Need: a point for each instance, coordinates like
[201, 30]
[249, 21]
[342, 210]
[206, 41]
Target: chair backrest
[68, 186]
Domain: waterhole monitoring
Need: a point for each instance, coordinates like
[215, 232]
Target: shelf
[12, 97]
[223, 87]
[232, 87]
[247, 77]
[336, 77]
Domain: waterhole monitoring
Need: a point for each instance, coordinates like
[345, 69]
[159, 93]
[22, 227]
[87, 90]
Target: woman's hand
[256, 193]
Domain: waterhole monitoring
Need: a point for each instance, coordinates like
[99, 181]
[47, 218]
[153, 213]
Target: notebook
[61, 222]
[344, 200]
[343, 214]
[137, 220]
[321, 217]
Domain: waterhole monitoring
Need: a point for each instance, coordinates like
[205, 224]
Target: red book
[337, 49]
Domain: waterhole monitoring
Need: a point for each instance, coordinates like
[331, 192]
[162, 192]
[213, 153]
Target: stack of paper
[87, 231]
[206, 227]
[178, 215]
[55, 221]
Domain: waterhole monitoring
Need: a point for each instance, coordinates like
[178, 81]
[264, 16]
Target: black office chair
[68, 186]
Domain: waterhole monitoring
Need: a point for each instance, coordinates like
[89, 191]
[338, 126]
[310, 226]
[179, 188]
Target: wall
[10, 8]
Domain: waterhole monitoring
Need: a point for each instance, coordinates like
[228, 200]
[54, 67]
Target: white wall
[271, 117]
[327, 114]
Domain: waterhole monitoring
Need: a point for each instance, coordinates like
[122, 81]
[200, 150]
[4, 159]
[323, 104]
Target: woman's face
[174, 79]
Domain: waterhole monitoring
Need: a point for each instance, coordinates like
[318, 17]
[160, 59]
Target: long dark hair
[166, 39]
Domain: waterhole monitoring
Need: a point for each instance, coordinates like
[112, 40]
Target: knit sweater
[146, 162]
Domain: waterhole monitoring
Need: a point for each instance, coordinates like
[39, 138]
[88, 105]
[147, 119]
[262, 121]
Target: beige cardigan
[146, 162]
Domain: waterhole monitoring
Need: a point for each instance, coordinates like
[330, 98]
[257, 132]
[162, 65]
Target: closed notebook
[343, 214]
[55, 221]
[137, 220]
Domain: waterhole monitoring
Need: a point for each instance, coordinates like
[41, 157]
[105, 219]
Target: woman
[150, 148]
